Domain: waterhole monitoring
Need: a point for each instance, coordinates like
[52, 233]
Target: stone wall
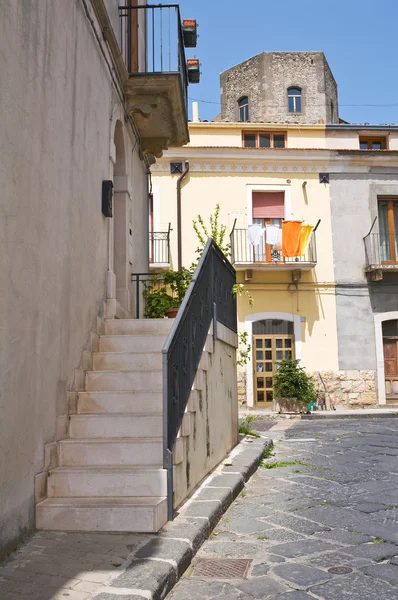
[348, 389]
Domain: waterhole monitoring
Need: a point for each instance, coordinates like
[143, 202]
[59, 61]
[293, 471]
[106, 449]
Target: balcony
[159, 249]
[381, 251]
[263, 256]
[152, 45]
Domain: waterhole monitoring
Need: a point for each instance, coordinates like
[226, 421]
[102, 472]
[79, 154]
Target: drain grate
[339, 570]
[221, 568]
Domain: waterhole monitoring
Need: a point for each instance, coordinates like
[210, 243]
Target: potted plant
[164, 292]
[294, 389]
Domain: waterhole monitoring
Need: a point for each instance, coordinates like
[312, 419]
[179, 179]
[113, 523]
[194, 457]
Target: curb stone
[316, 417]
[156, 567]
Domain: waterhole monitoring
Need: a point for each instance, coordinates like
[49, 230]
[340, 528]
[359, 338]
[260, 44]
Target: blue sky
[359, 38]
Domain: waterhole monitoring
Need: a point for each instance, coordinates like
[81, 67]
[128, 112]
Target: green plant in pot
[294, 389]
[164, 292]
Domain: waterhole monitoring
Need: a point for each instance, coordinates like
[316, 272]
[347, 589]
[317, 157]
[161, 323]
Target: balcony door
[133, 34]
[268, 209]
[273, 341]
[388, 231]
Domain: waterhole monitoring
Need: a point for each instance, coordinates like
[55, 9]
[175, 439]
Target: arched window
[294, 99]
[243, 104]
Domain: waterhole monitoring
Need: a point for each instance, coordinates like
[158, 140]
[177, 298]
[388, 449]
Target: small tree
[215, 231]
[292, 381]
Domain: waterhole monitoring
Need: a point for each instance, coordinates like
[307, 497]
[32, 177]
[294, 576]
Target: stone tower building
[280, 87]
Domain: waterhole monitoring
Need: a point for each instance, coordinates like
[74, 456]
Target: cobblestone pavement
[334, 509]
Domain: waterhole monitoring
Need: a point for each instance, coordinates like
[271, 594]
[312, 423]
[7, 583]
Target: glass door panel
[268, 351]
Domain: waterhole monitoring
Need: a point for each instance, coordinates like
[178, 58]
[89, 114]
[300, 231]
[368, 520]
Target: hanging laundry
[255, 234]
[291, 234]
[272, 234]
[306, 231]
[278, 245]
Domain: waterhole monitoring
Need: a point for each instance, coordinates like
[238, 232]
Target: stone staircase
[110, 474]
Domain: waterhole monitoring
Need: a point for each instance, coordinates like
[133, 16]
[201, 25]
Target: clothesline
[292, 239]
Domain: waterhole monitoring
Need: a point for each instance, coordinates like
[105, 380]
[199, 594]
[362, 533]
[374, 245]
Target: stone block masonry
[265, 78]
[348, 389]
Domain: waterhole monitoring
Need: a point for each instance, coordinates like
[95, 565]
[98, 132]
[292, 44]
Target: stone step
[111, 451]
[141, 515]
[126, 361]
[105, 481]
[119, 402]
[131, 343]
[124, 381]
[115, 426]
[138, 326]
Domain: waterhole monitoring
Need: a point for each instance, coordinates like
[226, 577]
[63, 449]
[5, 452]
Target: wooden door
[390, 346]
[268, 350]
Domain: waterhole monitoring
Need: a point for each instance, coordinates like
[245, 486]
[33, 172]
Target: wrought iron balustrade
[242, 251]
[152, 41]
[209, 297]
[159, 247]
[381, 250]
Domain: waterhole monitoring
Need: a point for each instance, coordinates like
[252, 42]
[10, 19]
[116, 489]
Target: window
[372, 143]
[243, 109]
[294, 100]
[388, 228]
[263, 139]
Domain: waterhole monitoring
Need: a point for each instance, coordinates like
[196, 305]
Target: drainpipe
[179, 240]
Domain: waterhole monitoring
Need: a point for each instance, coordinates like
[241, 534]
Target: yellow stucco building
[294, 312]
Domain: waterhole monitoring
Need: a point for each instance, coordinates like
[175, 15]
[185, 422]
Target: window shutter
[268, 205]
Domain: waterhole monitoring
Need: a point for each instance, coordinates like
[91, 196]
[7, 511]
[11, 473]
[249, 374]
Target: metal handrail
[209, 297]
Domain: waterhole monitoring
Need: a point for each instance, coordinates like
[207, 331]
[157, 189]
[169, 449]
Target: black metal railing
[242, 251]
[159, 247]
[381, 250]
[209, 297]
[152, 41]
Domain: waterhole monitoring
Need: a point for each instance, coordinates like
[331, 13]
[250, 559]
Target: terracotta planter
[193, 70]
[171, 313]
[190, 33]
[288, 405]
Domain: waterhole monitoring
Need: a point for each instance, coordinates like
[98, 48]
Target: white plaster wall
[57, 117]
[214, 426]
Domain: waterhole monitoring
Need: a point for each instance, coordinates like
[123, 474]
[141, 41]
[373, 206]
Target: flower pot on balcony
[172, 313]
[190, 32]
[193, 70]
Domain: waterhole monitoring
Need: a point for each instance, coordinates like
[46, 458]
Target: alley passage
[324, 526]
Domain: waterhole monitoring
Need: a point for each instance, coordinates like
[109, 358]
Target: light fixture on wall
[107, 198]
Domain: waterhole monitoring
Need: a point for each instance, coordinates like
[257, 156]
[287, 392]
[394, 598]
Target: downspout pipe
[179, 232]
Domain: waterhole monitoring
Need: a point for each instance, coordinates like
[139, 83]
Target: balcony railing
[381, 251]
[245, 254]
[152, 41]
[159, 247]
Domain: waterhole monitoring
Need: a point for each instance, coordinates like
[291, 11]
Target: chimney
[195, 112]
